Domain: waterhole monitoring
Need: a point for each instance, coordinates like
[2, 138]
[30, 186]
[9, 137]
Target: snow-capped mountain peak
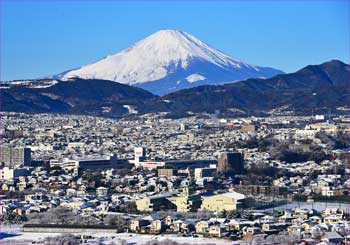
[167, 54]
[173, 45]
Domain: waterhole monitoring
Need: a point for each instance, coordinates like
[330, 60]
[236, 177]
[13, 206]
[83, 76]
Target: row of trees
[62, 215]
[280, 149]
[69, 239]
[274, 239]
[65, 239]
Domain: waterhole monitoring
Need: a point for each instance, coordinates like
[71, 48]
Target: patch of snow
[22, 82]
[52, 96]
[106, 109]
[131, 109]
[44, 85]
[195, 78]
[17, 236]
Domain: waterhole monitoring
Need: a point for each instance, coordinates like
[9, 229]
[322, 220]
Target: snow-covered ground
[319, 206]
[14, 235]
[142, 239]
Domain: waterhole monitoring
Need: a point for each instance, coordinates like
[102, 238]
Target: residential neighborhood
[243, 180]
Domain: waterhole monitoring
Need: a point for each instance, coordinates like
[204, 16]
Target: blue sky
[40, 38]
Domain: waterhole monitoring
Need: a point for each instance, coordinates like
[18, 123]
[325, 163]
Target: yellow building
[306, 226]
[216, 231]
[155, 203]
[136, 225]
[157, 226]
[315, 219]
[21, 186]
[227, 201]
[202, 227]
[70, 205]
[186, 202]
[333, 220]
[144, 204]
[169, 220]
[333, 211]
[326, 127]
[5, 187]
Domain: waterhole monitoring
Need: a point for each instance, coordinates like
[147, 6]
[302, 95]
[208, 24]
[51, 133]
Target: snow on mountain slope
[195, 78]
[168, 56]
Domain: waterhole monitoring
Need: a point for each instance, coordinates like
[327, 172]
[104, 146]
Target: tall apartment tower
[231, 163]
[14, 157]
[140, 154]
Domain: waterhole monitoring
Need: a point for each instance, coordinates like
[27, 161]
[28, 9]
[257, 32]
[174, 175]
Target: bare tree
[65, 239]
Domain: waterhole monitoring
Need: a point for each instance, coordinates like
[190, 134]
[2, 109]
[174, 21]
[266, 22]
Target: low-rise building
[220, 202]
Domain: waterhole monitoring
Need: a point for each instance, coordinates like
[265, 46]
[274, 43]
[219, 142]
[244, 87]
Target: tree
[116, 220]
[282, 239]
[343, 140]
[93, 178]
[12, 218]
[317, 155]
[340, 141]
[65, 239]
[150, 188]
[267, 143]
[204, 215]
[61, 215]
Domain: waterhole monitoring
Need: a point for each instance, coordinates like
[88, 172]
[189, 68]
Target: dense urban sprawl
[253, 180]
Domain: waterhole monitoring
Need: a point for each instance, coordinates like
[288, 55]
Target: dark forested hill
[324, 86]
[315, 86]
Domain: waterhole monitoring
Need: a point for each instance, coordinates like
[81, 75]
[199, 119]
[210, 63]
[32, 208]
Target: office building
[140, 154]
[7, 173]
[200, 173]
[14, 157]
[231, 163]
[167, 172]
[74, 166]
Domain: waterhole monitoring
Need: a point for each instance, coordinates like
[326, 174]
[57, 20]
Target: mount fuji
[167, 61]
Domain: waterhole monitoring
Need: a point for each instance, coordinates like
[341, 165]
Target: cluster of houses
[328, 185]
[310, 226]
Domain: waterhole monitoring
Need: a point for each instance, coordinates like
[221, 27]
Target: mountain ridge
[324, 87]
[78, 96]
[311, 86]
